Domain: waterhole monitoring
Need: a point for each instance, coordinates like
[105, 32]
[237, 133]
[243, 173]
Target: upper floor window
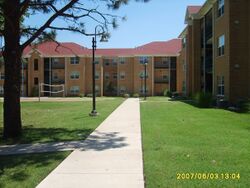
[106, 62]
[97, 60]
[107, 75]
[114, 62]
[1, 76]
[220, 86]
[142, 74]
[97, 76]
[165, 76]
[74, 60]
[220, 8]
[184, 41]
[122, 60]
[114, 75]
[122, 75]
[221, 45]
[75, 75]
[143, 59]
[35, 64]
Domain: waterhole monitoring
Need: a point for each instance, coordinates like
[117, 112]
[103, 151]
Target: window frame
[75, 77]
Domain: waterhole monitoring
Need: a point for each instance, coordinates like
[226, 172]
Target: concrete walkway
[111, 157]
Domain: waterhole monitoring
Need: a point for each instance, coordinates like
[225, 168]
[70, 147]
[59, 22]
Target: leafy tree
[17, 36]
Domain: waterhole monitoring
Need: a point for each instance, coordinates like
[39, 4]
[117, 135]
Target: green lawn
[27, 170]
[60, 121]
[180, 138]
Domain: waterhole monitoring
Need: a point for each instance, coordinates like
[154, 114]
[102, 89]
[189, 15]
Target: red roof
[48, 49]
[193, 9]
[53, 49]
[171, 47]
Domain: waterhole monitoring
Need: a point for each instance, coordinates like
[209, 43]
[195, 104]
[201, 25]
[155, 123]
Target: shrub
[167, 93]
[35, 91]
[243, 106]
[89, 95]
[126, 95]
[81, 95]
[136, 95]
[204, 100]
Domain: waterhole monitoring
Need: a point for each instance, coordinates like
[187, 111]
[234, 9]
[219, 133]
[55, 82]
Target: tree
[14, 12]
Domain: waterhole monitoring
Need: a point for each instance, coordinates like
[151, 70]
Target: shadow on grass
[14, 168]
[41, 135]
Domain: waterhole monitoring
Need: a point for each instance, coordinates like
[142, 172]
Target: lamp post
[103, 39]
[145, 79]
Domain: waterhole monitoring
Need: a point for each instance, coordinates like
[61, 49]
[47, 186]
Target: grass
[27, 170]
[59, 121]
[180, 138]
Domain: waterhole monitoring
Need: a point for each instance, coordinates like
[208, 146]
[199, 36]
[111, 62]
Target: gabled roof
[171, 47]
[53, 49]
[191, 11]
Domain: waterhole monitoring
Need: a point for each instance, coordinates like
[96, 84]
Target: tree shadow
[18, 168]
[31, 134]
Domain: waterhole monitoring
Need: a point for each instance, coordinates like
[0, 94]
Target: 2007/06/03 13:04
[207, 176]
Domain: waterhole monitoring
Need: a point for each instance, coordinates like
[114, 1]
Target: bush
[81, 95]
[136, 95]
[126, 95]
[243, 106]
[35, 91]
[204, 100]
[89, 95]
[167, 93]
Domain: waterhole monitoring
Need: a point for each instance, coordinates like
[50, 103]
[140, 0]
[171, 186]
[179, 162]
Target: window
[115, 75]
[165, 60]
[122, 89]
[165, 77]
[107, 75]
[184, 41]
[1, 76]
[220, 8]
[122, 75]
[97, 61]
[55, 76]
[74, 89]
[122, 60]
[221, 45]
[97, 76]
[106, 62]
[55, 60]
[97, 89]
[114, 62]
[143, 60]
[35, 64]
[142, 90]
[74, 75]
[221, 86]
[1, 90]
[74, 60]
[142, 74]
[35, 81]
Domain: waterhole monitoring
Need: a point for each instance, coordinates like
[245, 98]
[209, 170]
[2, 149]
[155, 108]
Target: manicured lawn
[27, 170]
[180, 138]
[60, 121]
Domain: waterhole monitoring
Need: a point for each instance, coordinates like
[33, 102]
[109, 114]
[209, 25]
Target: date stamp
[207, 176]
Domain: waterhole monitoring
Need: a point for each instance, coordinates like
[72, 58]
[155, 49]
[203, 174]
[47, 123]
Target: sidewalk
[111, 157]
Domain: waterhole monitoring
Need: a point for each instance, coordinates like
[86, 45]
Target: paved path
[111, 157]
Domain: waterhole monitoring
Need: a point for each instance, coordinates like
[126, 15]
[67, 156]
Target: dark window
[35, 64]
[220, 8]
[35, 81]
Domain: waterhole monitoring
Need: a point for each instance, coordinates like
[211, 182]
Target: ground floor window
[74, 89]
[1, 90]
[220, 86]
[122, 89]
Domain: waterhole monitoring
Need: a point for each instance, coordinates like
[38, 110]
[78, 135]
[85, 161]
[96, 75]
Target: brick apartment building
[215, 55]
[118, 71]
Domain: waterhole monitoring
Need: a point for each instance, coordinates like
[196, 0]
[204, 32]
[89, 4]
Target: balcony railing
[161, 81]
[160, 65]
[58, 66]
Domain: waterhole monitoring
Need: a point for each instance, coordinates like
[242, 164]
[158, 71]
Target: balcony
[58, 81]
[161, 81]
[161, 65]
[57, 66]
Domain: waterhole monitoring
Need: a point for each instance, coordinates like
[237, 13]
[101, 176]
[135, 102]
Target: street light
[103, 39]
[145, 79]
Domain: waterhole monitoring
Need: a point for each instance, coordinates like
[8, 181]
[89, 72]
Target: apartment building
[118, 71]
[215, 50]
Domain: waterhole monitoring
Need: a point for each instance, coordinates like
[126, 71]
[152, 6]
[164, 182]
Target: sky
[156, 20]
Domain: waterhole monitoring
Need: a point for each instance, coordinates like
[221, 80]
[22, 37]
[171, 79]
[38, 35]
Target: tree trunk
[12, 58]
